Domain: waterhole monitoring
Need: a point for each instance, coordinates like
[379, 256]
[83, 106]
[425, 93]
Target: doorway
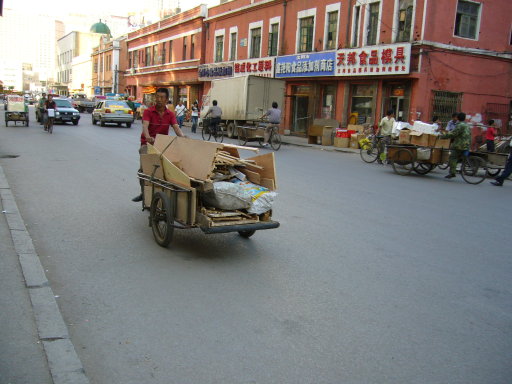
[300, 114]
[396, 103]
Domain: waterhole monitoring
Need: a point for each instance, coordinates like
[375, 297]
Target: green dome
[100, 28]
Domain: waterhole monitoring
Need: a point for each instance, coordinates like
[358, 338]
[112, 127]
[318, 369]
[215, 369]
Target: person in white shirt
[179, 111]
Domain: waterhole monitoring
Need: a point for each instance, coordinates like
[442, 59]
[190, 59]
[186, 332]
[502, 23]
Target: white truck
[243, 99]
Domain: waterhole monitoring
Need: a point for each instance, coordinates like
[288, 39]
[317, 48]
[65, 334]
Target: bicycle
[371, 150]
[49, 122]
[274, 137]
[212, 128]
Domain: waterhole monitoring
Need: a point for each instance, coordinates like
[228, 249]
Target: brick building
[109, 62]
[353, 60]
[167, 54]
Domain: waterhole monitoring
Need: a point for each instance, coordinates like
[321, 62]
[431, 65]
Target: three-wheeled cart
[406, 157]
[177, 172]
[256, 132]
[495, 162]
[17, 110]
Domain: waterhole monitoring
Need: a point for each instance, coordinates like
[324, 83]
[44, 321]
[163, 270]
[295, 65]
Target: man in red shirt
[156, 121]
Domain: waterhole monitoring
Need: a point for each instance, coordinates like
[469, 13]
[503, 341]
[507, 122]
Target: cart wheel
[162, 218]
[404, 165]
[205, 132]
[443, 166]
[260, 142]
[473, 170]
[493, 172]
[423, 168]
[275, 141]
[368, 153]
[247, 234]
[242, 140]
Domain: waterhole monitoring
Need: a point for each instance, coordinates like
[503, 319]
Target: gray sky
[120, 8]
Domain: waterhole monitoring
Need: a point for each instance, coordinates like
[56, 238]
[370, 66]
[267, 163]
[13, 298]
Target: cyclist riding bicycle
[49, 104]
[216, 114]
[42, 114]
[274, 119]
[385, 129]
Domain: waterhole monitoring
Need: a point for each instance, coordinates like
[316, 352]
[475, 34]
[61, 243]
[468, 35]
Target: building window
[332, 30]
[405, 13]
[444, 104]
[373, 23]
[232, 52]
[156, 59]
[467, 19]
[185, 48]
[255, 42]
[130, 62]
[170, 51]
[219, 48]
[273, 37]
[135, 59]
[95, 67]
[101, 63]
[306, 34]
[192, 46]
[147, 57]
[164, 54]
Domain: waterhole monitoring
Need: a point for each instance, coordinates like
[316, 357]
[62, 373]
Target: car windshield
[63, 103]
[116, 103]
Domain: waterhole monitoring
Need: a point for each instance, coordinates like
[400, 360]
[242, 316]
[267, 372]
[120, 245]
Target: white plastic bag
[262, 198]
[229, 196]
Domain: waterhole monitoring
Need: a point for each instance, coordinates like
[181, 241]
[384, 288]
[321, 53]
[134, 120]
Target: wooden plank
[268, 183]
[148, 165]
[239, 222]
[267, 168]
[253, 177]
[240, 147]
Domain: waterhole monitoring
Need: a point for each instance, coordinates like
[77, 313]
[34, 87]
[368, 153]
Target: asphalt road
[371, 278]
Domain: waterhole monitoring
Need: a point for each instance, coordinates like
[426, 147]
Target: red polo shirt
[157, 124]
[490, 134]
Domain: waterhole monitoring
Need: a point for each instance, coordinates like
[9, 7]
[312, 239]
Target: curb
[65, 366]
[320, 147]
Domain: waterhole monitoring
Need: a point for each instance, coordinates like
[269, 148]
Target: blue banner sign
[306, 65]
[207, 72]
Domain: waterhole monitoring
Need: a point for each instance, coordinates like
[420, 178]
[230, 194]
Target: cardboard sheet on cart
[168, 171]
[266, 174]
[194, 157]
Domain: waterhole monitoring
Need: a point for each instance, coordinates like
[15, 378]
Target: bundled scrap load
[226, 188]
[420, 134]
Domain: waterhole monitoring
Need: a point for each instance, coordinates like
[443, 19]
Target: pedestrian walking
[195, 116]
[180, 110]
[461, 136]
[498, 181]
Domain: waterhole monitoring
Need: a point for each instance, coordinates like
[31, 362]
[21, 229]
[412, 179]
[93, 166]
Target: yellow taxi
[113, 111]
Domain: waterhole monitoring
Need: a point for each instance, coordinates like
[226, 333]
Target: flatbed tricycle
[17, 110]
[178, 172]
[407, 157]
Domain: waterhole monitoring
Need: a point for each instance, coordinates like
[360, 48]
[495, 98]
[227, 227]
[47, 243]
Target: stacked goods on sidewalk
[349, 137]
[224, 189]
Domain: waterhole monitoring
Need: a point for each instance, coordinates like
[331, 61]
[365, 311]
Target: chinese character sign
[393, 59]
[306, 65]
[207, 72]
[258, 67]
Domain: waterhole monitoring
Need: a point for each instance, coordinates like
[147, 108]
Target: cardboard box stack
[422, 135]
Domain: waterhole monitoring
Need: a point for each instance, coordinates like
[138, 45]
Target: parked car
[65, 112]
[113, 111]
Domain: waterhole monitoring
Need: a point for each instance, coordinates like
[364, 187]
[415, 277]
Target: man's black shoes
[449, 176]
[497, 183]
[137, 199]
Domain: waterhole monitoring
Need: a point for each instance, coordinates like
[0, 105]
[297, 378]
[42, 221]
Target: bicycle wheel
[473, 169]
[275, 140]
[493, 172]
[205, 132]
[443, 166]
[368, 153]
[218, 134]
[50, 125]
[405, 164]
[423, 168]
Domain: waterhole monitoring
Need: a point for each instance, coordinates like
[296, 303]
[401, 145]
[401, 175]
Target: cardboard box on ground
[191, 163]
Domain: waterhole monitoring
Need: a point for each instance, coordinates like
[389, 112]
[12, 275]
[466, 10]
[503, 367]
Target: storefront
[379, 81]
[310, 89]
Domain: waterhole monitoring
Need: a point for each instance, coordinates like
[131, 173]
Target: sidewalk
[35, 345]
[303, 142]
